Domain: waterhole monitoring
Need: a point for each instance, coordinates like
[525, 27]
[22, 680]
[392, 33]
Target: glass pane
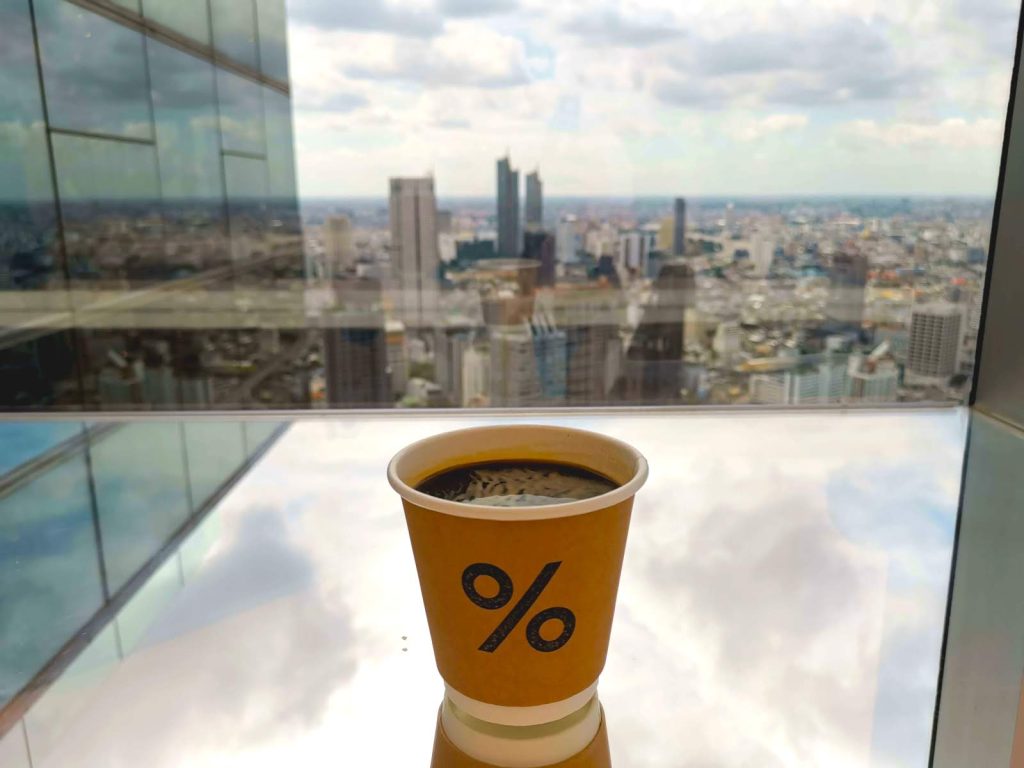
[110, 199]
[259, 432]
[23, 441]
[141, 494]
[146, 605]
[273, 31]
[241, 114]
[234, 30]
[247, 207]
[95, 71]
[49, 570]
[131, 5]
[185, 16]
[39, 372]
[185, 111]
[216, 449]
[29, 257]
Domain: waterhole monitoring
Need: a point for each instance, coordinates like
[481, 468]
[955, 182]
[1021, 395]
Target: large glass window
[216, 449]
[273, 33]
[241, 114]
[188, 149]
[234, 30]
[49, 569]
[137, 518]
[189, 17]
[94, 71]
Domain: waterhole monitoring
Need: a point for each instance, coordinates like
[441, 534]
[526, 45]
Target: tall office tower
[654, 359]
[679, 228]
[844, 310]
[540, 246]
[591, 316]
[508, 210]
[398, 357]
[452, 340]
[339, 249]
[534, 202]
[527, 364]
[873, 378]
[476, 385]
[355, 347]
[936, 333]
[172, 186]
[567, 239]
[635, 247]
[415, 256]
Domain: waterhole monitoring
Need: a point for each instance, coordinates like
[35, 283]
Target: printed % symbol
[500, 600]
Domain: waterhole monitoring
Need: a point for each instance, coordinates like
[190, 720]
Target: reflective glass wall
[87, 511]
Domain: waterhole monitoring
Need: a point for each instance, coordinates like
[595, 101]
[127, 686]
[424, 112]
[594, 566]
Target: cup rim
[536, 512]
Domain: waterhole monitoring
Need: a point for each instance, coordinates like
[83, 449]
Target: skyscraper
[654, 360]
[534, 202]
[339, 250]
[567, 239]
[355, 347]
[936, 331]
[679, 228]
[848, 276]
[508, 210]
[415, 257]
[540, 246]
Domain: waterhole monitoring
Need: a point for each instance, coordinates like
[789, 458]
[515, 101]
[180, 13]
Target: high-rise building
[679, 228]
[654, 358]
[355, 347]
[847, 279]
[398, 357]
[452, 341]
[567, 239]
[476, 368]
[818, 382]
[936, 332]
[873, 378]
[635, 248]
[415, 257]
[528, 364]
[540, 246]
[508, 210]
[534, 202]
[339, 249]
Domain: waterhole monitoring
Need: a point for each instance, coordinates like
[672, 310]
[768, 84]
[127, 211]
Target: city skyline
[639, 99]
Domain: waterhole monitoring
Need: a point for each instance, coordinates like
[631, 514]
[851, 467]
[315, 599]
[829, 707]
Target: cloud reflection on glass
[789, 616]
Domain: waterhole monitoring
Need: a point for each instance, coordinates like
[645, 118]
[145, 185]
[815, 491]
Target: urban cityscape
[526, 301]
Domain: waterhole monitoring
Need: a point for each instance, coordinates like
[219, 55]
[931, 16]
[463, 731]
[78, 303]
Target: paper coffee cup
[519, 600]
[577, 741]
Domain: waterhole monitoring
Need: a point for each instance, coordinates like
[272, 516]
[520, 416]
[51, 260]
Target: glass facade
[85, 507]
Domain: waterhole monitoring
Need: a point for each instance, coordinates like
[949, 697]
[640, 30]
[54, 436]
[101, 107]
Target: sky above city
[653, 97]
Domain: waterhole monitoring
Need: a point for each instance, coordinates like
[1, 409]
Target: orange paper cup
[519, 600]
[578, 741]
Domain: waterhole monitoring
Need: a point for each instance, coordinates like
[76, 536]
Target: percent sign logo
[500, 600]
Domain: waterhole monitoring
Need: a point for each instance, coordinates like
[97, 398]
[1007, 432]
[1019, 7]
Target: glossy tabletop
[782, 603]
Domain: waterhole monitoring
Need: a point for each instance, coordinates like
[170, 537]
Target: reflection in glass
[257, 433]
[185, 16]
[215, 450]
[246, 181]
[273, 32]
[94, 70]
[241, 114]
[141, 494]
[28, 253]
[110, 199]
[25, 440]
[188, 146]
[234, 30]
[49, 570]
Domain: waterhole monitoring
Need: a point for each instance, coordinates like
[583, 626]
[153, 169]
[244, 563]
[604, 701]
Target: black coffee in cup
[516, 484]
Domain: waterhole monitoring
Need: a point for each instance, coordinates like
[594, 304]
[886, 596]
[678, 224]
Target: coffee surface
[516, 484]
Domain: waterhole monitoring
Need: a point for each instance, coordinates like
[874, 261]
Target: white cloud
[954, 132]
[752, 129]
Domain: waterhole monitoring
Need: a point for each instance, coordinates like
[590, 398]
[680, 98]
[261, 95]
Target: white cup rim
[509, 431]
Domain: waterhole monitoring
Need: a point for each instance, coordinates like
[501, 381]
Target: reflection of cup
[515, 653]
[577, 741]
